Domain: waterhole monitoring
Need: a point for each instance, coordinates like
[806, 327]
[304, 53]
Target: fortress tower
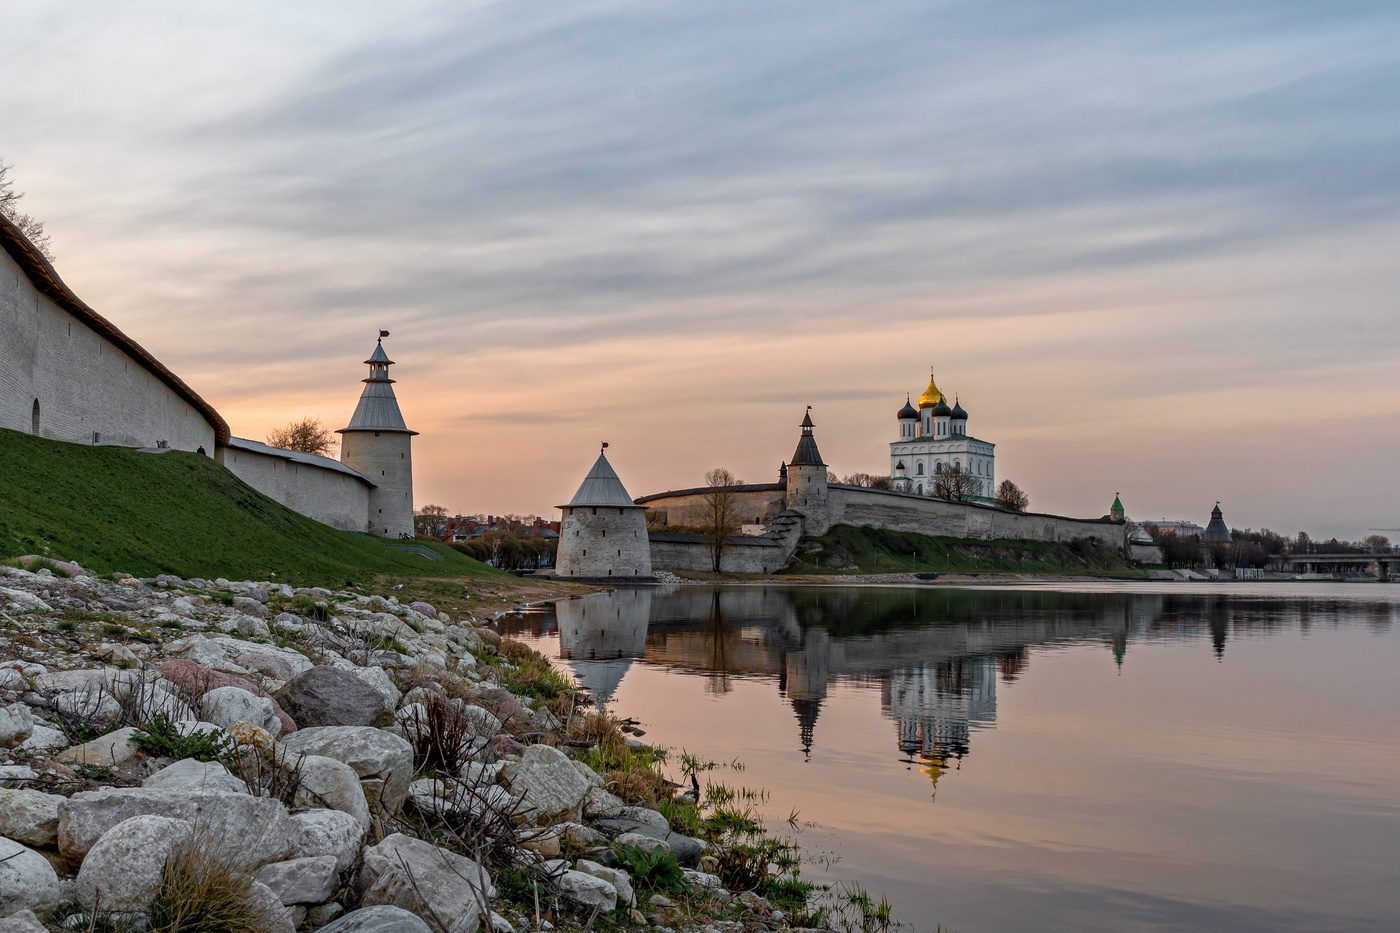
[378, 445]
[604, 533]
[807, 483]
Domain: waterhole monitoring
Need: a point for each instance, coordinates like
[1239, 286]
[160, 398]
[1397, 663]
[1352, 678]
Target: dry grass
[199, 893]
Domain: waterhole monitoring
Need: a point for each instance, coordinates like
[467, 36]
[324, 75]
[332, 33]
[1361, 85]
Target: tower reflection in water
[933, 655]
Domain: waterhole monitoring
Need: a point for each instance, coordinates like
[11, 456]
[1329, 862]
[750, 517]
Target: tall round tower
[604, 533]
[807, 483]
[378, 445]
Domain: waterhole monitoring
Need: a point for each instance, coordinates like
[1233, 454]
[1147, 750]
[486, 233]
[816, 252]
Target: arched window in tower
[34, 420]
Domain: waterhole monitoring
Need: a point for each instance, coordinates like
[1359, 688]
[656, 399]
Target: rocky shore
[294, 759]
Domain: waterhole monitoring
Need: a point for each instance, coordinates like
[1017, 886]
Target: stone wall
[671, 551]
[756, 504]
[897, 511]
[601, 541]
[88, 388]
[385, 458]
[329, 495]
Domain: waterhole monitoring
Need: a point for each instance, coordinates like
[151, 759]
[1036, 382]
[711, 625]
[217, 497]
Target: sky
[1152, 247]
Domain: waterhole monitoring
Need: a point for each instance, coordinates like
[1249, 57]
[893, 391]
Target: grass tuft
[199, 893]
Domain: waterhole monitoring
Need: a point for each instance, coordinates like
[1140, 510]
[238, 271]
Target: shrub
[656, 870]
[163, 739]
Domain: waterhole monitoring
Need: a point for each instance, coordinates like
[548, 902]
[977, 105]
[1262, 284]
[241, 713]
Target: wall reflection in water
[934, 655]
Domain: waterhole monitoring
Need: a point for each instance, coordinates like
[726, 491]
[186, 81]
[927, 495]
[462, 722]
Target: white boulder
[587, 889]
[225, 706]
[27, 880]
[326, 832]
[383, 761]
[333, 784]
[619, 879]
[123, 868]
[449, 891]
[189, 774]
[309, 880]
[550, 784]
[16, 725]
[29, 816]
[247, 831]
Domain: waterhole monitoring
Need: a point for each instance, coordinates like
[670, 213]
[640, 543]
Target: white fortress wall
[895, 511]
[317, 487]
[89, 388]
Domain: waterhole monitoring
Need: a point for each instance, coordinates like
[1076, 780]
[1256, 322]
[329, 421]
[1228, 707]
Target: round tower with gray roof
[807, 490]
[378, 445]
[604, 533]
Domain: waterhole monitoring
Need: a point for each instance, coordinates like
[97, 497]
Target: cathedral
[933, 438]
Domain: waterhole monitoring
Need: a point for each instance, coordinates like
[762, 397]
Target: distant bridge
[1378, 563]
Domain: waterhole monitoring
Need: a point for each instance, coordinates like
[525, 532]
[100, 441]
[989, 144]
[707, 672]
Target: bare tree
[31, 228]
[308, 435]
[956, 484]
[719, 514]
[1376, 544]
[1010, 496]
[430, 521]
[868, 480]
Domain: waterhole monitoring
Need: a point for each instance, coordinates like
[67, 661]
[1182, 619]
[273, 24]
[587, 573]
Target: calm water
[1078, 759]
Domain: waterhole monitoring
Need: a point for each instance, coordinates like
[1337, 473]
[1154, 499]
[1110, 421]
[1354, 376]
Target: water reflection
[934, 655]
[1130, 760]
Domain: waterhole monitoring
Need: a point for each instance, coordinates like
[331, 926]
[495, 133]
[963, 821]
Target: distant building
[934, 438]
[1181, 529]
[1217, 532]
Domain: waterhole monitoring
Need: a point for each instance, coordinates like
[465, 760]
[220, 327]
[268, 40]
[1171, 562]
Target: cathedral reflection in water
[934, 655]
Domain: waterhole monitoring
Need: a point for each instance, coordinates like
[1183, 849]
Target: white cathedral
[934, 438]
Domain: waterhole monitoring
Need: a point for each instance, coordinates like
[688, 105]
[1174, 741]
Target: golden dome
[932, 396]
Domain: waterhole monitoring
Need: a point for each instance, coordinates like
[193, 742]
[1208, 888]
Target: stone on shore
[447, 890]
[328, 696]
[547, 780]
[104, 752]
[225, 706]
[301, 880]
[27, 880]
[189, 774]
[586, 889]
[332, 784]
[381, 919]
[619, 879]
[244, 830]
[16, 725]
[22, 922]
[29, 816]
[326, 832]
[383, 761]
[122, 870]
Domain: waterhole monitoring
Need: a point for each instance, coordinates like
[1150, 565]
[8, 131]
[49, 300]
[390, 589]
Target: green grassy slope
[113, 508]
[847, 549]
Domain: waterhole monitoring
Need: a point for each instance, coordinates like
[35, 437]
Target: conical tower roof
[806, 453]
[378, 408]
[1217, 532]
[602, 487]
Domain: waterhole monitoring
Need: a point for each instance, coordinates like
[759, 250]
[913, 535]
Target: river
[1079, 757]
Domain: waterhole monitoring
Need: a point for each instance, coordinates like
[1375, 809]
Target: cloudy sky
[1152, 246]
